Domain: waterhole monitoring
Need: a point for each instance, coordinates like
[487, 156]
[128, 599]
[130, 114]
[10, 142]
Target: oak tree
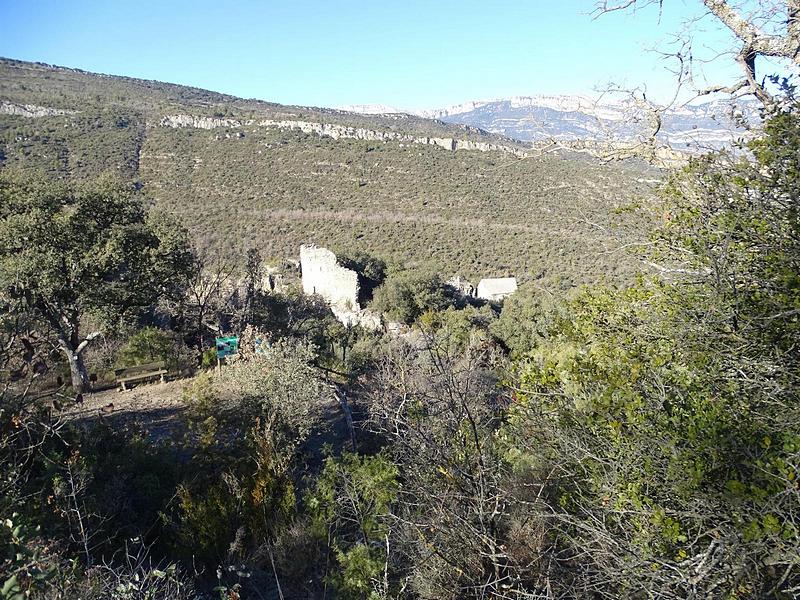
[69, 253]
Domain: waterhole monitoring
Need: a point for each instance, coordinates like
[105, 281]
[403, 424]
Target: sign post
[226, 346]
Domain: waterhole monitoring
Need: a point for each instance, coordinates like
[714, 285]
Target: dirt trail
[155, 408]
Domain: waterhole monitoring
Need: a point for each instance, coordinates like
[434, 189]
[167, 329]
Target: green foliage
[739, 219]
[245, 492]
[123, 484]
[406, 295]
[525, 318]
[90, 249]
[25, 570]
[369, 267]
[676, 399]
[362, 349]
[278, 384]
[350, 507]
[68, 253]
[202, 399]
[152, 345]
[360, 568]
[295, 315]
[219, 521]
[458, 329]
[367, 483]
[208, 359]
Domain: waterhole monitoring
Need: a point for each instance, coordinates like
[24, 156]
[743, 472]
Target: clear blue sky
[408, 54]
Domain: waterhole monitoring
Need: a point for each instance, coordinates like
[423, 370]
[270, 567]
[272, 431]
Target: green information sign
[226, 346]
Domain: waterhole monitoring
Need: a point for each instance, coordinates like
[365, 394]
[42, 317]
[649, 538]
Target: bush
[458, 329]
[524, 319]
[671, 406]
[350, 508]
[406, 295]
[154, 345]
[208, 360]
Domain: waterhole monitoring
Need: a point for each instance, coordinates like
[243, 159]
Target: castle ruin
[323, 275]
[339, 286]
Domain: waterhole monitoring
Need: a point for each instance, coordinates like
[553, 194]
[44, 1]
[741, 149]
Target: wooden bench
[140, 373]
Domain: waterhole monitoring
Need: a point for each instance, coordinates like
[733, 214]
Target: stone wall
[496, 289]
[323, 275]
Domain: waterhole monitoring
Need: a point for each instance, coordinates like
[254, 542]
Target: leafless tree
[441, 413]
[760, 29]
[207, 300]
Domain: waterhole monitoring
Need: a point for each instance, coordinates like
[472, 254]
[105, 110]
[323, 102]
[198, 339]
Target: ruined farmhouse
[496, 289]
[340, 287]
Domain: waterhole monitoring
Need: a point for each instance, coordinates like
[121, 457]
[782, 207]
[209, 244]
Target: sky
[410, 54]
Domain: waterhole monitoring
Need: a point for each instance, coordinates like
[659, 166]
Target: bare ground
[156, 410]
[153, 408]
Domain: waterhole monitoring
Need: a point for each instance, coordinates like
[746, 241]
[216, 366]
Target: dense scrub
[638, 441]
[562, 219]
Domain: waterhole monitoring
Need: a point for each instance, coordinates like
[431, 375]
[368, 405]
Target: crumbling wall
[364, 318]
[462, 287]
[496, 289]
[322, 275]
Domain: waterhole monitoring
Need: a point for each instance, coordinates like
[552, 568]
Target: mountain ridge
[244, 173]
[690, 127]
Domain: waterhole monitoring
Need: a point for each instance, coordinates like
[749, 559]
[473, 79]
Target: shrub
[406, 295]
[350, 508]
[154, 345]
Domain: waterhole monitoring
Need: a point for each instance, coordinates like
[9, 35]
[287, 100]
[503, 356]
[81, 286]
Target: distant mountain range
[710, 124]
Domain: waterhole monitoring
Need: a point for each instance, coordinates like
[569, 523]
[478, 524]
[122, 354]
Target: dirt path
[153, 408]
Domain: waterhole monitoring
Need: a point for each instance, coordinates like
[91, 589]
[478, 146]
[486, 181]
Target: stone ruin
[340, 287]
[496, 289]
[323, 275]
[491, 289]
[461, 286]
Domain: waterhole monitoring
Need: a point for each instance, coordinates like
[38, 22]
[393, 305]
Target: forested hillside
[182, 417]
[239, 184]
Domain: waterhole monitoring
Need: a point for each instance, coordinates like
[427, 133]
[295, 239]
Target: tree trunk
[80, 378]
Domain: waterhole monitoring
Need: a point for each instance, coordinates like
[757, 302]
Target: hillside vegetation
[612, 443]
[626, 441]
[561, 218]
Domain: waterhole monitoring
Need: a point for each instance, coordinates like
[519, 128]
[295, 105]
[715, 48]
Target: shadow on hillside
[160, 426]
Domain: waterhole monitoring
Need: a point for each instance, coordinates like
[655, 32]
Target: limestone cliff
[336, 131]
[31, 111]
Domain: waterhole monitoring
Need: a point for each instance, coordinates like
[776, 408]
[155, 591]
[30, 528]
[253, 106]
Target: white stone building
[496, 289]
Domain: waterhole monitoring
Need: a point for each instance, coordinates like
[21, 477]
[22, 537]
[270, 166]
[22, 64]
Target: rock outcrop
[31, 111]
[336, 131]
[196, 122]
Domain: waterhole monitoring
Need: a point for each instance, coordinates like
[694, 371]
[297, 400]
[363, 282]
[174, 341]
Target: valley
[243, 173]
